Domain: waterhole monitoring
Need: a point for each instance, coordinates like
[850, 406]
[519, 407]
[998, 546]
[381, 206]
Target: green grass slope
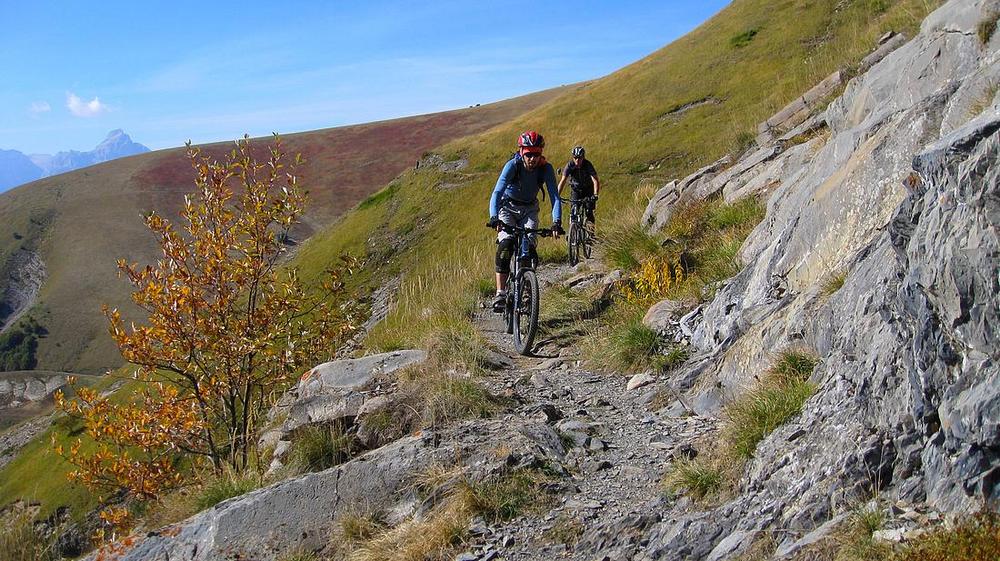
[81, 222]
[660, 118]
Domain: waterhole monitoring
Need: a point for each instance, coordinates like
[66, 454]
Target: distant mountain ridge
[17, 168]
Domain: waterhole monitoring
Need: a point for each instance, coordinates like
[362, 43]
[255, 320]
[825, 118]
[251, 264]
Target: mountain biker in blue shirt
[515, 202]
[583, 181]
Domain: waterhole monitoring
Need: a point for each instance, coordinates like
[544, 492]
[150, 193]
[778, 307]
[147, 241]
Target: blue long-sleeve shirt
[525, 190]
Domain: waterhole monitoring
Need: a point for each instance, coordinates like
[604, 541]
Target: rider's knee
[505, 249]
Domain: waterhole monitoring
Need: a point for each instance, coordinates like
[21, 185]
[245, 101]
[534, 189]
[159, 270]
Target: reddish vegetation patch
[343, 165]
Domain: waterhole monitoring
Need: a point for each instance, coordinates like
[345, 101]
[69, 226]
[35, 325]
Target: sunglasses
[531, 155]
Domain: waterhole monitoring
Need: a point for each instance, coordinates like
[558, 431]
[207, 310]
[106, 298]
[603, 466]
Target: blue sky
[167, 72]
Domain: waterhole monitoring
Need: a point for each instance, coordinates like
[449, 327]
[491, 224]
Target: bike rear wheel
[525, 312]
[586, 243]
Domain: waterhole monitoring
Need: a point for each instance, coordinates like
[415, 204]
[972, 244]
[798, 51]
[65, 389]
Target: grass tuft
[857, 543]
[777, 397]
[985, 99]
[502, 498]
[360, 526]
[21, 539]
[833, 283]
[437, 534]
[699, 477]
[226, 486]
[974, 538]
[671, 359]
[432, 397]
[627, 346]
[987, 27]
[566, 530]
[320, 447]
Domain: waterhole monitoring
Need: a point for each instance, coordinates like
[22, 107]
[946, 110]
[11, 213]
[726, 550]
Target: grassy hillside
[657, 119]
[81, 222]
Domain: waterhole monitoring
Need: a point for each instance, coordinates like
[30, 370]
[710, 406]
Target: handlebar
[543, 232]
[583, 200]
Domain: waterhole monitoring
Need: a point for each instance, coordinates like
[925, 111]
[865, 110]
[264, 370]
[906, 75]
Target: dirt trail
[619, 446]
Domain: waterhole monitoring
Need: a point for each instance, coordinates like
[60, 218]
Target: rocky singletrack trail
[618, 446]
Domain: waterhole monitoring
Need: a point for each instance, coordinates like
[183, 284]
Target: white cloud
[37, 107]
[82, 108]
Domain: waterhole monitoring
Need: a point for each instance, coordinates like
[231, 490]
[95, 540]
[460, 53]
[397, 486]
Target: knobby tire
[574, 234]
[526, 312]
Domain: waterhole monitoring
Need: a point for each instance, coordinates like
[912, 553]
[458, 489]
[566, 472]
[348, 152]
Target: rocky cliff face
[903, 198]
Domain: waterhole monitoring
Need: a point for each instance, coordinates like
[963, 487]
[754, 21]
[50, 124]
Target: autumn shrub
[226, 330]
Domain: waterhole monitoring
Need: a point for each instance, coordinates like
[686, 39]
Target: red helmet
[531, 141]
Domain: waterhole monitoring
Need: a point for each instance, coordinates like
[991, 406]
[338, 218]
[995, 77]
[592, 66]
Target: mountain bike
[579, 238]
[520, 312]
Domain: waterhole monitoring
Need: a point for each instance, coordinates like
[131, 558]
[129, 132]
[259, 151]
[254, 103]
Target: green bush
[18, 346]
[743, 39]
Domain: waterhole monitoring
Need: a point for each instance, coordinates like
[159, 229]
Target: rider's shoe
[499, 302]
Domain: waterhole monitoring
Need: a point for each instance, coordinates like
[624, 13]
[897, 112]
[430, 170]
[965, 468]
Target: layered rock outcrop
[903, 199]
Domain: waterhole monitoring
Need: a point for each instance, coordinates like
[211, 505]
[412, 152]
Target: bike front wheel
[526, 312]
[571, 239]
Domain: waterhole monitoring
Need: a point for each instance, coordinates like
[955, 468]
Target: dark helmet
[578, 151]
[531, 140]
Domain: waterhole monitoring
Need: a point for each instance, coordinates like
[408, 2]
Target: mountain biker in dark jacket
[515, 202]
[583, 181]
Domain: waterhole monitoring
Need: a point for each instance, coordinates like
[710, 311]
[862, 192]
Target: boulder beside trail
[334, 390]
[299, 514]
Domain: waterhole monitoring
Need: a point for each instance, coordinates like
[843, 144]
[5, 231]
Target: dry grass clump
[437, 534]
[22, 539]
[359, 526]
[987, 27]
[857, 540]
[832, 283]
[430, 396]
[974, 538]
[985, 99]
[778, 396]
[433, 537]
[229, 484]
[566, 530]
